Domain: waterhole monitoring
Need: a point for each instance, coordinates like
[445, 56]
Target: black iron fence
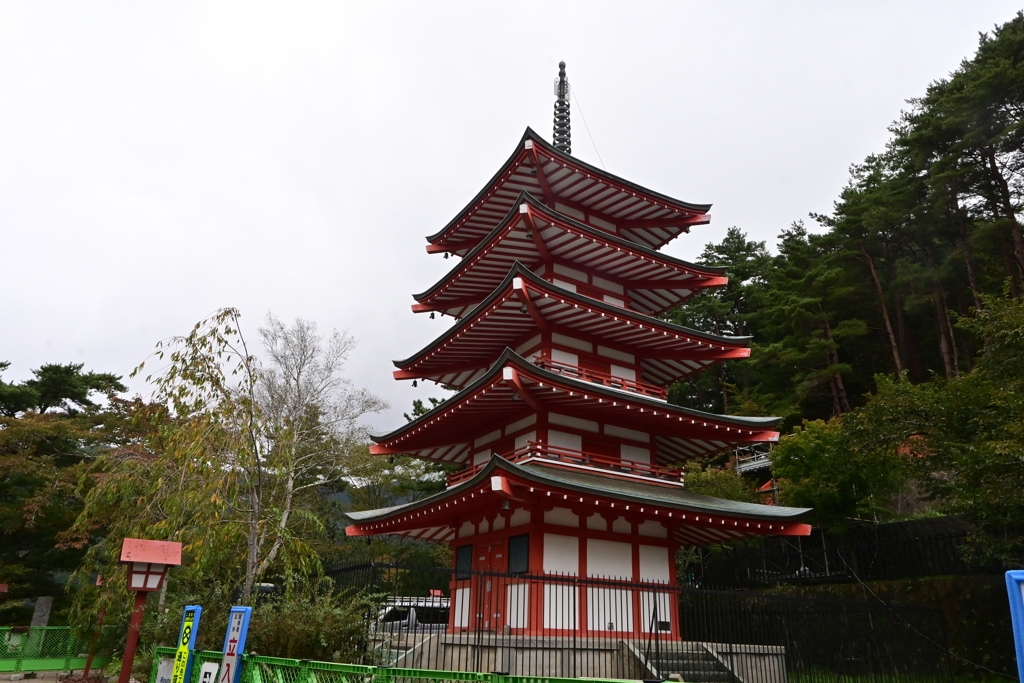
[900, 550]
[591, 627]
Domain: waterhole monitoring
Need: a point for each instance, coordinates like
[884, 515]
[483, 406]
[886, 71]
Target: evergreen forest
[887, 334]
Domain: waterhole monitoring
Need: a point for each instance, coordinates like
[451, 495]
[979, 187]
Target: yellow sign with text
[181, 656]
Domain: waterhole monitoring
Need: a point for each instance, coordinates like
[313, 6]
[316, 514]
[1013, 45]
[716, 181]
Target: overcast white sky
[161, 160]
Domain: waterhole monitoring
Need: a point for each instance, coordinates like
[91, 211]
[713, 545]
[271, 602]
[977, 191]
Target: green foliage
[718, 482]
[961, 440]
[49, 430]
[56, 386]
[312, 622]
[923, 232]
[841, 469]
[723, 311]
[239, 464]
[965, 436]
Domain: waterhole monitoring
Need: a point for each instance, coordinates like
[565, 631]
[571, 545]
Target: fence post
[383, 675]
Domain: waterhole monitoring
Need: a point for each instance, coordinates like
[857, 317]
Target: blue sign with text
[1015, 587]
[234, 644]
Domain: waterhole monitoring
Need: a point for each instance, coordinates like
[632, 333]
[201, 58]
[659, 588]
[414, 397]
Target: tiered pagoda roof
[536, 236]
[524, 304]
[515, 387]
[574, 188]
[692, 518]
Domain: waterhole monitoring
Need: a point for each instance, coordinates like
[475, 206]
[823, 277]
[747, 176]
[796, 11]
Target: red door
[491, 560]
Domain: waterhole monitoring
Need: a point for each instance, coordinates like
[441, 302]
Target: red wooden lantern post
[147, 562]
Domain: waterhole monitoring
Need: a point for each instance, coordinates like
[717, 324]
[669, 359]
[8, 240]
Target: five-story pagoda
[570, 451]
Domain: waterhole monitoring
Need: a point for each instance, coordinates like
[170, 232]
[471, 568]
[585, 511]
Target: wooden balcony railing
[572, 459]
[604, 378]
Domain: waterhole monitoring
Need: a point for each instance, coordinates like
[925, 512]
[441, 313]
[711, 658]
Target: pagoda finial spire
[563, 131]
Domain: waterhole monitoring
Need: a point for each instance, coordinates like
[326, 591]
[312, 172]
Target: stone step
[700, 675]
[687, 662]
[685, 657]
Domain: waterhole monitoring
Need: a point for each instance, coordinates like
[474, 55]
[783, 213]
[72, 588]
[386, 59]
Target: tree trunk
[942, 317]
[947, 356]
[1011, 273]
[833, 387]
[1007, 206]
[843, 401]
[725, 389]
[965, 242]
[252, 546]
[885, 314]
[282, 525]
[952, 340]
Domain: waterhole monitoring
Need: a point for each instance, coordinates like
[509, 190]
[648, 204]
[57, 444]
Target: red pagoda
[570, 452]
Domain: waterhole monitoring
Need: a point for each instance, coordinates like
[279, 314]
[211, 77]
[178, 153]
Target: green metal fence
[259, 669]
[45, 648]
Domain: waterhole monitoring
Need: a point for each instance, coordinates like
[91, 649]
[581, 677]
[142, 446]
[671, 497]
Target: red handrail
[617, 466]
[598, 377]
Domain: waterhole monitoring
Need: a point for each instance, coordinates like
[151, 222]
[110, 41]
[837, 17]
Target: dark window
[396, 614]
[519, 554]
[463, 562]
[432, 615]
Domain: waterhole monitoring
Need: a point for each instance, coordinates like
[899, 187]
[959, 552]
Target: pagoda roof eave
[593, 233]
[510, 357]
[521, 271]
[530, 134]
[674, 498]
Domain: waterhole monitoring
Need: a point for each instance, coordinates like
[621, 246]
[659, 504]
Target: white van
[413, 615]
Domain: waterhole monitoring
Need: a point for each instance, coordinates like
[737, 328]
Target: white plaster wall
[609, 609]
[624, 433]
[621, 526]
[561, 517]
[624, 373]
[467, 529]
[616, 354]
[487, 438]
[614, 300]
[568, 211]
[652, 529]
[597, 522]
[564, 285]
[572, 342]
[635, 453]
[570, 272]
[609, 559]
[561, 606]
[607, 284]
[573, 442]
[654, 561]
[519, 517]
[648, 603]
[567, 421]
[480, 457]
[461, 607]
[518, 605]
[522, 439]
[520, 424]
[561, 554]
[560, 356]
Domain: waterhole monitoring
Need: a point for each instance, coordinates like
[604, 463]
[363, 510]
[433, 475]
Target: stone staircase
[696, 665]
